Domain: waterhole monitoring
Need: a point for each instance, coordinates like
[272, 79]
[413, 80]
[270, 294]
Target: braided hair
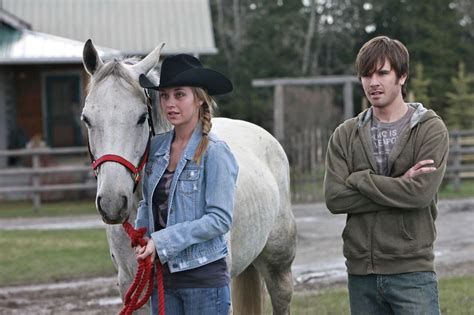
[205, 115]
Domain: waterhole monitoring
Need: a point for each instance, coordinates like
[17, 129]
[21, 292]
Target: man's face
[382, 87]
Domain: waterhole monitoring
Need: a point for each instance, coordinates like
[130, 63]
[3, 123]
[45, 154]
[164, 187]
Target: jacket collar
[417, 116]
[196, 136]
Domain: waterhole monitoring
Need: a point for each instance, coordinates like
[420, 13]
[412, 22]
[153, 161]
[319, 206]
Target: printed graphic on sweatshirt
[384, 137]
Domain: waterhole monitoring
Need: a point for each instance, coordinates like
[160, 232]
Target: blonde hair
[206, 112]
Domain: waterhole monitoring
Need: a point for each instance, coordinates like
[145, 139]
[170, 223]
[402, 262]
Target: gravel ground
[318, 264]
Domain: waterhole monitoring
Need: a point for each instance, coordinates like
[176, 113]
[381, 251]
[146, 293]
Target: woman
[188, 191]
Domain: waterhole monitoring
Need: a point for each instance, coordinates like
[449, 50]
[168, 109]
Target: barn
[42, 81]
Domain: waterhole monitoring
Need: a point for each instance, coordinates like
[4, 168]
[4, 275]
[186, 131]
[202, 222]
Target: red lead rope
[143, 277]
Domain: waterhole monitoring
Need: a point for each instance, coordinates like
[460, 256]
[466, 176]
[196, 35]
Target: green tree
[268, 38]
[460, 114]
[290, 38]
[434, 35]
[419, 86]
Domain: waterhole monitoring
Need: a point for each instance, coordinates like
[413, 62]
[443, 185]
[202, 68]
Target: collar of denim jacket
[190, 149]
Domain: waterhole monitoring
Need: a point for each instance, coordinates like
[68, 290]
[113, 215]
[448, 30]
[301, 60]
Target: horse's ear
[90, 58]
[150, 61]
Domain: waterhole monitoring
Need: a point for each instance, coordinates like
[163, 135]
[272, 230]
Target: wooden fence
[461, 157]
[38, 176]
[306, 152]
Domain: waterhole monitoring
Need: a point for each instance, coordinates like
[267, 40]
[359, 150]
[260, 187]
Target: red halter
[135, 171]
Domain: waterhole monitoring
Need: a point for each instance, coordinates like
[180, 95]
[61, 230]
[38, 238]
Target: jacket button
[175, 265]
[171, 210]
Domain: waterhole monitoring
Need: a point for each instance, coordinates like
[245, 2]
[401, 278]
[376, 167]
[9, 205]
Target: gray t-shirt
[384, 137]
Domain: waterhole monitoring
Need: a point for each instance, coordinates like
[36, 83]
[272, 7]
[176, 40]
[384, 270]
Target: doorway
[62, 109]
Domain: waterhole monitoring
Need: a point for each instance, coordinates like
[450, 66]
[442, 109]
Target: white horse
[263, 235]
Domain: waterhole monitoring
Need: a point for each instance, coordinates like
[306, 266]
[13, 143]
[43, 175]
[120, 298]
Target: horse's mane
[116, 68]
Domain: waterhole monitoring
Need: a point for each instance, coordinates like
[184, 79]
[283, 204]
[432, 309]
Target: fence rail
[306, 152]
[461, 157]
[37, 172]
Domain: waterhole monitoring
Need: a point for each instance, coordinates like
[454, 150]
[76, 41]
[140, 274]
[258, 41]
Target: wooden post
[279, 114]
[313, 144]
[348, 101]
[36, 195]
[456, 161]
[279, 83]
[4, 85]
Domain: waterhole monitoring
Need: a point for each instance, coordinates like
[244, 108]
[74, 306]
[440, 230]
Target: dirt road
[319, 259]
[319, 262]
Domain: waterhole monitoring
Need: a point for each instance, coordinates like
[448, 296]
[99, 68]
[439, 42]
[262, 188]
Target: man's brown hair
[373, 54]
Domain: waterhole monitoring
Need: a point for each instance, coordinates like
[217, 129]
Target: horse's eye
[86, 121]
[142, 119]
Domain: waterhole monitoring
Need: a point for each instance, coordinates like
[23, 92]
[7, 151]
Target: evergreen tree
[419, 86]
[460, 114]
[434, 35]
[292, 38]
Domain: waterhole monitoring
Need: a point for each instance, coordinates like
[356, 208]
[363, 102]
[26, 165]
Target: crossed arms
[364, 191]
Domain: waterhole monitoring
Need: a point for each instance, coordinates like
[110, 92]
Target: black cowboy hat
[186, 70]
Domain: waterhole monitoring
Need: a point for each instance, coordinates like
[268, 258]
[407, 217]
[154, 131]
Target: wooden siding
[29, 98]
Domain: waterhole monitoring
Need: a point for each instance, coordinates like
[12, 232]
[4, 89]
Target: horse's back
[258, 154]
[248, 139]
[262, 194]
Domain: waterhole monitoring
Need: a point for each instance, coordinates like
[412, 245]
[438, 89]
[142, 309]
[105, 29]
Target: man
[383, 169]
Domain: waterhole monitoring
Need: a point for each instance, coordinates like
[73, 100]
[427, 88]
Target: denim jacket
[200, 203]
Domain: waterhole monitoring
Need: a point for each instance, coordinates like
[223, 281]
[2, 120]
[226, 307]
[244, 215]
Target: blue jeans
[194, 301]
[405, 293]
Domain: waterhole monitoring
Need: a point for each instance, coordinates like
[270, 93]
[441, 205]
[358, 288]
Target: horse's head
[115, 113]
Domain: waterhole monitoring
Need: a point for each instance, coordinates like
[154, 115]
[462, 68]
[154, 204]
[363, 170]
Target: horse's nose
[112, 212]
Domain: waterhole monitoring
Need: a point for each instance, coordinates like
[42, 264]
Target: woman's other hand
[144, 252]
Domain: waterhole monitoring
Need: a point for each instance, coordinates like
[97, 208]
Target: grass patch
[456, 297]
[32, 257]
[466, 190]
[307, 187]
[63, 208]
[330, 301]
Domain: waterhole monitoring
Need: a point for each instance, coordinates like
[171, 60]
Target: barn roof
[28, 47]
[8, 19]
[134, 27]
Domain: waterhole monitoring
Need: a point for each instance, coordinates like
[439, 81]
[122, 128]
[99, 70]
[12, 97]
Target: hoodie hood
[420, 115]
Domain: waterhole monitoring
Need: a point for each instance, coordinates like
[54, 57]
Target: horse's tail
[247, 292]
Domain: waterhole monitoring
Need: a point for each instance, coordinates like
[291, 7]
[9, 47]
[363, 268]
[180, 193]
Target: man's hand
[419, 168]
[144, 252]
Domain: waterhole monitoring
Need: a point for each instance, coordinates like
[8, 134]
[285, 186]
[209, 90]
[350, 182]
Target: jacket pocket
[356, 235]
[419, 227]
[404, 232]
[188, 181]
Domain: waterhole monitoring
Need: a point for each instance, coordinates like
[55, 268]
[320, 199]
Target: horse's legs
[274, 264]
[279, 283]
